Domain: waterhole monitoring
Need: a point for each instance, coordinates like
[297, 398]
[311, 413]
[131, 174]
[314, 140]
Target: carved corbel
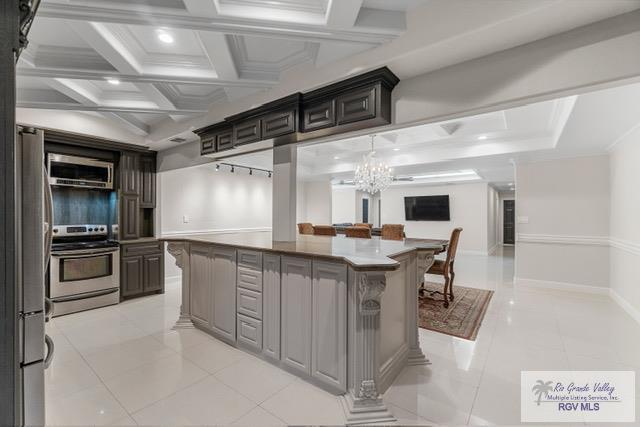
[176, 250]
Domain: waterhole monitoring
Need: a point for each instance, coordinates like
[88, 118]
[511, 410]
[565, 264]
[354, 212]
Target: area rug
[462, 318]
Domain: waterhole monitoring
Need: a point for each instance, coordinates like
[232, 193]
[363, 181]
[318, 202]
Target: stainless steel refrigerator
[35, 216]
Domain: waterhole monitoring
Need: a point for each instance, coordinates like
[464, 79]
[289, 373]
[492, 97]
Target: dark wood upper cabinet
[224, 140]
[148, 182]
[358, 102]
[357, 105]
[278, 124]
[319, 115]
[129, 216]
[247, 131]
[129, 173]
[208, 145]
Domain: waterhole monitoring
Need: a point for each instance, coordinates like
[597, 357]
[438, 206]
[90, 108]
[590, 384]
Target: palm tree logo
[542, 388]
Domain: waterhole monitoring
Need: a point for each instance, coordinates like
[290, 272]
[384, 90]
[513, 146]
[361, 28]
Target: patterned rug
[462, 318]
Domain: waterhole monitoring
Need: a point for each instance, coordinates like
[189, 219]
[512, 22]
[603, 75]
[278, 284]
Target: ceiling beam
[218, 51]
[103, 41]
[145, 78]
[130, 122]
[343, 13]
[219, 24]
[101, 108]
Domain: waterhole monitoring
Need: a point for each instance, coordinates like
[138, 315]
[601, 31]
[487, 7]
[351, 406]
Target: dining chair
[392, 232]
[445, 268]
[324, 230]
[363, 224]
[361, 232]
[305, 228]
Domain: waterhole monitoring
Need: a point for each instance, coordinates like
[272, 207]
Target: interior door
[509, 222]
[365, 211]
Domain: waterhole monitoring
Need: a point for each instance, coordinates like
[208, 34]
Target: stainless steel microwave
[74, 171]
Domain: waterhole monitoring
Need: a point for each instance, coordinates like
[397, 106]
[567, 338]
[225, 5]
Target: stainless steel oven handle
[82, 254]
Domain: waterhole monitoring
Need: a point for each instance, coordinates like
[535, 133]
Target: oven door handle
[86, 295]
[78, 254]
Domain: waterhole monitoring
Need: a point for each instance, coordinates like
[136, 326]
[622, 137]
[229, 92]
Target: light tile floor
[122, 365]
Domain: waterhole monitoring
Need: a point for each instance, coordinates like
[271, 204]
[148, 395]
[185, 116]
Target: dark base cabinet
[141, 269]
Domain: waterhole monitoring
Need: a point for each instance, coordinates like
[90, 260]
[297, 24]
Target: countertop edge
[356, 267]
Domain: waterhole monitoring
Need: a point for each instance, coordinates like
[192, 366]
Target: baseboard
[215, 231]
[624, 304]
[468, 252]
[169, 279]
[563, 286]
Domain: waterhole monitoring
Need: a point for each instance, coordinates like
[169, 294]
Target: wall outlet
[185, 219]
[523, 220]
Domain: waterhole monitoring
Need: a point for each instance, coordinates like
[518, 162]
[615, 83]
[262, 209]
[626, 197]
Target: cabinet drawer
[247, 131]
[142, 248]
[250, 303]
[249, 332]
[249, 278]
[224, 140]
[208, 145]
[250, 259]
[320, 115]
[277, 124]
[357, 105]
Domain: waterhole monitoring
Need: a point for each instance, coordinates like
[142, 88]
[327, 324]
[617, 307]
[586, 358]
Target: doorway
[365, 210]
[509, 209]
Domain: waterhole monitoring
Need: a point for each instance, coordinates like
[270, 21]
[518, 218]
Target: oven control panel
[79, 230]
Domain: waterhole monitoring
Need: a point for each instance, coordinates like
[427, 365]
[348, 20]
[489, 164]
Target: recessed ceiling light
[113, 81]
[396, 149]
[165, 37]
[336, 158]
[482, 137]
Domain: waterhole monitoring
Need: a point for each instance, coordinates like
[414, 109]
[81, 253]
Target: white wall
[562, 212]
[625, 222]
[468, 204]
[343, 206]
[316, 204]
[213, 201]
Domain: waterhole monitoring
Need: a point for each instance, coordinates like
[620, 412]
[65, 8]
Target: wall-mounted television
[427, 208]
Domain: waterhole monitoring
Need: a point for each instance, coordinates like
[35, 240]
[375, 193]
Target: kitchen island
[341, 313]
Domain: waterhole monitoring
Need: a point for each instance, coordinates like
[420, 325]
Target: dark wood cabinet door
[320, 115]
[131, 274]
[153, 272]
[129, 217]
[278, 124]
[208, 145]
[148, 187]
[357, 105]
[247, 131]
[129, 173]
[224, 140]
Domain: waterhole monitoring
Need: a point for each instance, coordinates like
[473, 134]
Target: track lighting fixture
[250, 171]
[217, 168]
[269, 174]
[233, 169]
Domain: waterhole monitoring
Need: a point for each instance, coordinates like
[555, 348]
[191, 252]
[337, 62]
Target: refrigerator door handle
[48, 309]
[50, 350]
[48, 220]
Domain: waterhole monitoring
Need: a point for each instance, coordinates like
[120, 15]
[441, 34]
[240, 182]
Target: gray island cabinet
[339, 312]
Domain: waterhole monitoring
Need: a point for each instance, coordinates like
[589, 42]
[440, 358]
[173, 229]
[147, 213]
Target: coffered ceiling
[157, 69]
[137, 62]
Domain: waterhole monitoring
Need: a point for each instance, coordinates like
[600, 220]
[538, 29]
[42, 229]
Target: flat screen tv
[427, 208]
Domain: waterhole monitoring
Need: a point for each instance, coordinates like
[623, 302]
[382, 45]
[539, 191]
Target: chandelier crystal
[373, 175]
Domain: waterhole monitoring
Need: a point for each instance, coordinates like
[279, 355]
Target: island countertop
[361, 254]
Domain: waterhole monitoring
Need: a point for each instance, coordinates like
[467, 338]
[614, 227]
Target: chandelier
[373, 175]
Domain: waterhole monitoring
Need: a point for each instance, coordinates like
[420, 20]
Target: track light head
[250, 171]
[233, 169]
